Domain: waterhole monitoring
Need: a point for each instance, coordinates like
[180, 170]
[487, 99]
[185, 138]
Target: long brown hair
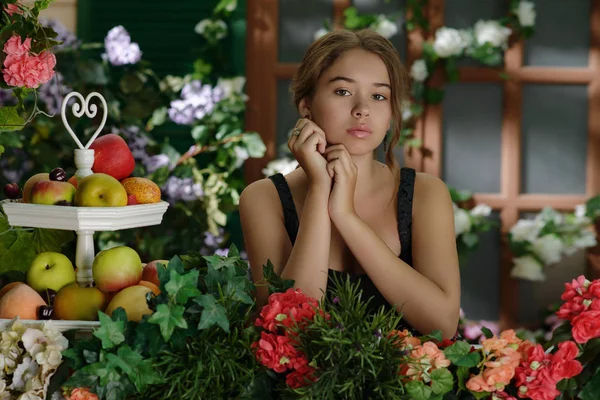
[323, 53]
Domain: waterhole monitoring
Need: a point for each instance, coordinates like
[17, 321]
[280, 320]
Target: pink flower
[12, 9]
[586, 326]
[14, 47]
[28, 71]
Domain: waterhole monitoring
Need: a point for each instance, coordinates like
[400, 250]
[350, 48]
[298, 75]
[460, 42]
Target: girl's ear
[304, 108]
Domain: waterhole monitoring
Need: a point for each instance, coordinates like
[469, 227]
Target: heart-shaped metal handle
[86, 108]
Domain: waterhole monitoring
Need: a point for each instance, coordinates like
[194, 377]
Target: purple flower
[68, 38]
[340, 326]
[119, 48]
[222, 252]
[53, 92]
[377, 333]
[184, 189]
[336, 300]
[155, 162]
[472, 330]
[7, 97]
[197, 101]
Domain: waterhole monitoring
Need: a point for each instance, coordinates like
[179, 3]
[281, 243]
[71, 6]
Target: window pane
[480, 276]
[560, 44]
[298, 22]
[472, 127]
[287, 115]
[554, 137]
[462, 14]
[389, 8]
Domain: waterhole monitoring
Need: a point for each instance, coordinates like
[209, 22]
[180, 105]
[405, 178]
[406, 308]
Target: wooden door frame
[264, 69]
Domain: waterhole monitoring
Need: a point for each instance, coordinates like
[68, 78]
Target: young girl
[344, 213]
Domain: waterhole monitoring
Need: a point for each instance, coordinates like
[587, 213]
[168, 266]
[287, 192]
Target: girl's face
[352, 103]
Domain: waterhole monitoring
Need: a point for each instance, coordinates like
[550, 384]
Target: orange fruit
[144, 190]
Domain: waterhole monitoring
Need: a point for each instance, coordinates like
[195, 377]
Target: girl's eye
[342, 92]
[379, 97]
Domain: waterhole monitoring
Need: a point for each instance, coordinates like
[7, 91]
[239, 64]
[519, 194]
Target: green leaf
[434, 96]
[11, 139]
[487, 333]
[110, 332]
[470, 239]
[236, 289]
[418, 390]
[254, 144]
[91, 72]
[159, 117]
[219, 262]
[452, 69]
[213, 313]
[10, 120]
[16, 247]
[200, 134]
[51, 239]
[1, 149]
[138, 370]
[459, 354]
[168, 318]
[462, 374]
[442, 381]
[42, 4]
[182, 287]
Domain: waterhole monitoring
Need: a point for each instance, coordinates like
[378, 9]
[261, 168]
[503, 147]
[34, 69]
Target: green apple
[117, 268]
[52, 192]
[50, 270]
[79, 303]
[100, 190]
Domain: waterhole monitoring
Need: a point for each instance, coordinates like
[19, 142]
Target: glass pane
[536, 297]
[554, 137]
[480, 275]
[462, 14]
[472, 125]
[389, 8]
[564, 44]
[287, 115]
[298, 22]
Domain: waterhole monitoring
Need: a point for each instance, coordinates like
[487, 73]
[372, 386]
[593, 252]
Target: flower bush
[545, 239]
[29, 357]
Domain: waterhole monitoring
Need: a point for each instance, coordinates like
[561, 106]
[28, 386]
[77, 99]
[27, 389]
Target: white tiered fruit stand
[83, 220]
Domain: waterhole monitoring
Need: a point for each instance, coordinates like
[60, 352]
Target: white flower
[406, 110]
[462, 221]
[580, 217]
[29, 396]
[448, 42]
[418, 71]
[481, 210]
[586, 239]
[527, 268]
[209, 27]
[27, 370]
[548, 248]
[282, 165]
[232, 86]
[320, 33]
[526, 230]
[384, 26]
[231, 6]
[549, 214]
[241, 155]
[525, 12]
[491, 32]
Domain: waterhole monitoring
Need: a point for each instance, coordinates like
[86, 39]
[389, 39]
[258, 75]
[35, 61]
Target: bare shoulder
[259, 194]
[430, 189]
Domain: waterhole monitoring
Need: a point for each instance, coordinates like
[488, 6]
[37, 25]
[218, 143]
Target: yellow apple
[52, 193]
[133, 301]
[42, 176]
[100, 190]
[50, 270]
[78, 303]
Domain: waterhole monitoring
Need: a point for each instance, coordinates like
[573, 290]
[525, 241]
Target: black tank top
[404, 204]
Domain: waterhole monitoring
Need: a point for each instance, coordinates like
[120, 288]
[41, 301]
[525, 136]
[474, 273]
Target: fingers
[339, 161]
[306, 133]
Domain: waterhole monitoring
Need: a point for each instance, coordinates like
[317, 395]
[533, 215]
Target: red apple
[53, 193]
[150, 273]
[112, 156]
[73, 181]
[42, 176]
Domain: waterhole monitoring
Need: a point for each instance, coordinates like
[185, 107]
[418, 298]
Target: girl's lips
[359, 133]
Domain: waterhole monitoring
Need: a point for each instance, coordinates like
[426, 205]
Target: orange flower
[510, 336]
[424, 359]
[478, 384]
[408, 340]
[82, 394]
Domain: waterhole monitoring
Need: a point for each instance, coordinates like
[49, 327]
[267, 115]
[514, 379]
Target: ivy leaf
[138, 369]
[10, 120]
[218, 262]
[110, 332]
[182, 287]
[460, 355]
[236, 288]
[418, 390]
[254, 145]
[51, 239]
[168, 318]
[442, 381]
[213, 313]
[276, 283]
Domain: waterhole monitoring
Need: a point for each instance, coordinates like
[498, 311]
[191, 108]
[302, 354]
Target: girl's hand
[307, 143]
[343, 171]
